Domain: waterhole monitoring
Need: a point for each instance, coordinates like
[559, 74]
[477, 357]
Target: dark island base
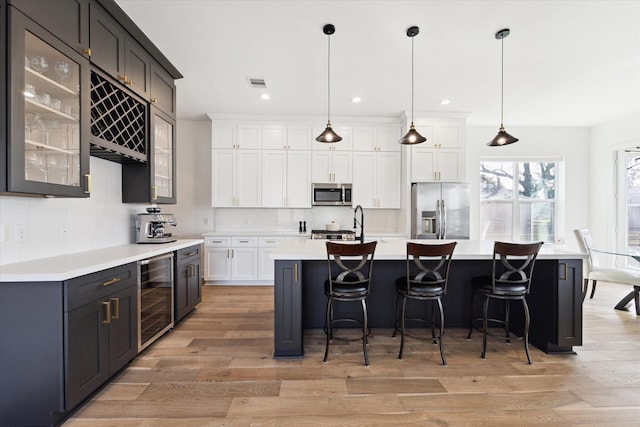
[555, 302]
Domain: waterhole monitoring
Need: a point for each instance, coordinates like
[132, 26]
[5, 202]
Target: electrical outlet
[20, 233]
[206, 221]
[2, 236]
[278, 221]
[64, 231]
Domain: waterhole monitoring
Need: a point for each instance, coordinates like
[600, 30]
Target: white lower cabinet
[231, 258]
[241, 259]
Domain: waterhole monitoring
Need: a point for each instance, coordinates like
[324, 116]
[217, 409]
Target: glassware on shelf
[40, 64]
[43, 98]
[63, 70]
[29, 90]
[38, 132]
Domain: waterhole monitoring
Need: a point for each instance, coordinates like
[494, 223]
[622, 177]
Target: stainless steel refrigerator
[439, 210]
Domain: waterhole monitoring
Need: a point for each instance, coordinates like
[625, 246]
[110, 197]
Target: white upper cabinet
[299, 137]
[274, 137]
[233, 135]
[376, 138]
[377, 179]
[286, 179]
[286, 137]
[235, 178]
[331, 166]
[442, 157]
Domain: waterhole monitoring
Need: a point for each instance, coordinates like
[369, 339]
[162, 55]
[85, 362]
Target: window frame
[517, 203]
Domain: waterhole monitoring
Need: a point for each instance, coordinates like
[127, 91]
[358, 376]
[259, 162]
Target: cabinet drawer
[241, 242]
[217, 242]
[269, 242]
[188, 254]
[90, 287]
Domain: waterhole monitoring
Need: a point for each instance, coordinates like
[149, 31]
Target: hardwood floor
[215, 369]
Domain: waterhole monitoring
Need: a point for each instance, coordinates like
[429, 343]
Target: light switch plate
[20, 232]
[64, 231]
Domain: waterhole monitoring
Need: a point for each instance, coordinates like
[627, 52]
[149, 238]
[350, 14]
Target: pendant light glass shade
[328, 135]
[502, 138]
[412, 137]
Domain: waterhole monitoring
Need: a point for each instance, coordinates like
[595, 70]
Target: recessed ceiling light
[356, 99]
[265, 96]
[445, 102]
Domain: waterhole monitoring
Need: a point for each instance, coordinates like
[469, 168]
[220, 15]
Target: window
[633, 200]
[518, 200]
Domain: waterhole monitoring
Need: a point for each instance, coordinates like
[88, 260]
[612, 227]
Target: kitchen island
[555, 300]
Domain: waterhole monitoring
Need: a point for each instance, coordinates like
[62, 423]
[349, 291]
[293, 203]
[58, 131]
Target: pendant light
[328, 135]
[412, 137]
[502, 138]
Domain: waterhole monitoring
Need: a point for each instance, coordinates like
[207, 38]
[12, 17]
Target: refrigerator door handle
[443, 231]
[438, 229]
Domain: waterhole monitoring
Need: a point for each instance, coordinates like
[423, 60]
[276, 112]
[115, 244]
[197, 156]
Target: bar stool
[350, 267]
[510, 280]
[426, 280]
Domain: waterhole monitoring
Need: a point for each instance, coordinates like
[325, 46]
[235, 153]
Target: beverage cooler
[155, 298]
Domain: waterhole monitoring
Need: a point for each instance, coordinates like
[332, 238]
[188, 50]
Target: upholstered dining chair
[595, 273]
[426, 279]
[350, 266]
[510, 281]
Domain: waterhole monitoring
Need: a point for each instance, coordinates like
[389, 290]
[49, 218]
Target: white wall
[570, 144]
[101, 220]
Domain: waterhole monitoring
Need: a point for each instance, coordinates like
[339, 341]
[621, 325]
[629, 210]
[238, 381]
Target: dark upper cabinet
[154, 181]
[68, 20]
[163, 89]
[117, 53]
[47, 144]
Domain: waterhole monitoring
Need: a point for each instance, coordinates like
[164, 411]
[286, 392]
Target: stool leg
[404, 303]
[485, 309]
[473, 294]
[593, 289]
[585, 287]
[636, 297]
[444, 361]
[433, 322]
[329, 329]
[507, 310]
[395, 326]
[526, 329]
[364, 332]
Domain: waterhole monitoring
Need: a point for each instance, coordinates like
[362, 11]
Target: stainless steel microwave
[331, 194]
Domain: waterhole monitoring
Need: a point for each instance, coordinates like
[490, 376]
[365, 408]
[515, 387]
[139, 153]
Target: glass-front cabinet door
[162, 160]
[48, 136]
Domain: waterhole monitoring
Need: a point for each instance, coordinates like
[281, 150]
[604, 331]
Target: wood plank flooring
[215, 369]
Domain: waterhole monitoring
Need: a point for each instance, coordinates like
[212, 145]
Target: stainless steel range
[333, 235]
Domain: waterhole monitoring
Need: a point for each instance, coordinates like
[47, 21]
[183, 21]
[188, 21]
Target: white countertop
[68, 266]
[395, 249]
[270, 233]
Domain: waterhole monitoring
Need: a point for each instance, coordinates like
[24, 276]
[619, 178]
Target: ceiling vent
[257, 83]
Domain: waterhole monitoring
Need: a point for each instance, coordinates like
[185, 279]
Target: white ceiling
[567, 63]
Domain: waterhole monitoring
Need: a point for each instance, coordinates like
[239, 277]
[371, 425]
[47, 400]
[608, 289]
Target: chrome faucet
[361, 222]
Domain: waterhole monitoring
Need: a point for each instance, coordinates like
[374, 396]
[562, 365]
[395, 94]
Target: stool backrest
[350, 262]
[429, 264]
[513, 264]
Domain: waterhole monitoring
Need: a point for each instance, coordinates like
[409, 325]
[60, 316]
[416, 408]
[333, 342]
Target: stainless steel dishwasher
[155, 298]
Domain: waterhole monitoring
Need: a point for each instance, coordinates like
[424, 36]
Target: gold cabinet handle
[87, 51]
[111, 282]
[88, 190]
[295, 272]
[154, 190]
[106, 306]
[154, 100]
[116, 308]
[190, 254]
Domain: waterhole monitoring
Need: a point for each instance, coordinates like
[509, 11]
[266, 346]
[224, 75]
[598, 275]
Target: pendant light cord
[329, 79]
[412, 80]
[502, 82]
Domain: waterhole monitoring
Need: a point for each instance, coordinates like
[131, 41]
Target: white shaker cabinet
[376, 179]
[231, 258]
[236, 178]
[376, 138]
[331, 166]
[265, 263]
[286, 178]
[277, 136]
[441, 158]
[231, 135]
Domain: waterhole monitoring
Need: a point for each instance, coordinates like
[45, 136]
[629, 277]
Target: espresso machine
[155, 227]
